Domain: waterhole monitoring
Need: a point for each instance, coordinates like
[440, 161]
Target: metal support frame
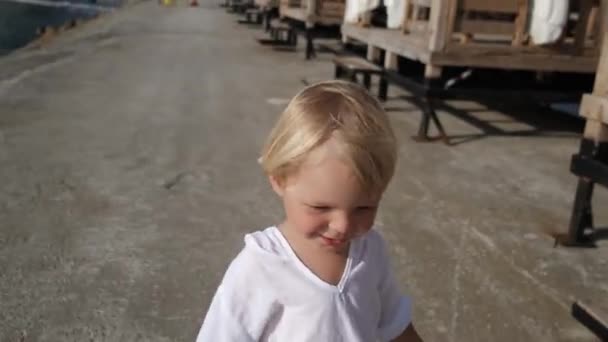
[433, 91]
[590, 320]
[311, 32]
[351, 74]
[310, 47]
[426, 91]
[591, 166]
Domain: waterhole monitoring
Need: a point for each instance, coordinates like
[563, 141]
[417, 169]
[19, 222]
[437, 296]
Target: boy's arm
[408, 335]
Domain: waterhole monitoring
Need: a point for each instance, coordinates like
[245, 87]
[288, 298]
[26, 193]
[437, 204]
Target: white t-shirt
[268, 294]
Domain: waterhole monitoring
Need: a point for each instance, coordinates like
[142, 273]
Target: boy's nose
[340, 224]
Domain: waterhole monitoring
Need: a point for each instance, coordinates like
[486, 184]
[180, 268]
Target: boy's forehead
[329, 180]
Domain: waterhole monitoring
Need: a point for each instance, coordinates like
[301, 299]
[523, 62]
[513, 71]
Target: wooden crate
[311, 12]
[486, 33]
[267, 4]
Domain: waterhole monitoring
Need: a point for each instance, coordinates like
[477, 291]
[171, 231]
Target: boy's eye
[319, 207]
[365, 208]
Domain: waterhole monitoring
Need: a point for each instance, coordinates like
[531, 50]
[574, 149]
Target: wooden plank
[373, 53]
[602, 17]
[332, 6]
[485, 27]
[521, 22]
[451, 15]
[407, 9]
[509, 57]
[418, 27]
[357, 63]
[413, 47]
[390, 60]
[438, 24]
[505, 6]
[595, 107]
[423, 3]
[580, 35]
[601, 78]
[294, 13]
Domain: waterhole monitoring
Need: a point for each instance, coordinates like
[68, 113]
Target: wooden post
[373, 53]
[521, 22]
[580, 35]
[602, 17]
[390, 60]
[406, 17]
[438, 23]
[601, 78]
[591, 163]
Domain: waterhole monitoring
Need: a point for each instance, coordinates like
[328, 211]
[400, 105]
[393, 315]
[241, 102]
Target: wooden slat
[451, 15]
[423, 3]
[601, 78]
[485, 27]
[332, 6]
[602, 17]
[418, 27]
[413, 47]
[580, 35]
[438, 24]
[521, 22]
[407, 11]
[390, 60]
[509, 57]
[507, 6]
[373, 53]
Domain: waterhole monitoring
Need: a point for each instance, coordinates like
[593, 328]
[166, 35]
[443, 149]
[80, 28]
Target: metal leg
[292, 37]
[582, 213]
[591, 320]
[337, 72]
[267, 17]
[383, 88]
[423, 129]
[367, 81]
[428, 115]
[310, 49]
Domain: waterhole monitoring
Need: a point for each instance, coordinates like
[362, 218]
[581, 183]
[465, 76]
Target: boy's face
[324, 202]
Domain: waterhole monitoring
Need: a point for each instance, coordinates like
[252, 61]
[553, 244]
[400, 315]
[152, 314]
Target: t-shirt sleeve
[220, 324]
[396, 309]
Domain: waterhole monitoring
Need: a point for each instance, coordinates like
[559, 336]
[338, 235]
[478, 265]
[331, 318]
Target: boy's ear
[277, 185]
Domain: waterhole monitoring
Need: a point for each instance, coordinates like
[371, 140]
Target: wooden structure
[485, 34]
[314, 17]
[591, 163]
[349, 67]
[313, 12]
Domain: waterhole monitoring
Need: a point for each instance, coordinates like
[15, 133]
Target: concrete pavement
[128, 158]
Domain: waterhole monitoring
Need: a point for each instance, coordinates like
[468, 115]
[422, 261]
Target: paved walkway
[128, 163]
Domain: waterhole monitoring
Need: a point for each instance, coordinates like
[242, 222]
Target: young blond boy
[323, 273]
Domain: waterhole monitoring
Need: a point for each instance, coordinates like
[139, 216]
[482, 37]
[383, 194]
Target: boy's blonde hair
[337, 109]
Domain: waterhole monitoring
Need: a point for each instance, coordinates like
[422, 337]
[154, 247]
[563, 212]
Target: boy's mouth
[332, 242]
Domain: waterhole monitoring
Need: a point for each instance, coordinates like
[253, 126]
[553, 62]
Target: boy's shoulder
[253, 265]
[375, 245]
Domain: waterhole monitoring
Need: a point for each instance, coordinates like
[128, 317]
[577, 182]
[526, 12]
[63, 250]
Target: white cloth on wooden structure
[356, 8]
[549, 18]
[395, 10]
